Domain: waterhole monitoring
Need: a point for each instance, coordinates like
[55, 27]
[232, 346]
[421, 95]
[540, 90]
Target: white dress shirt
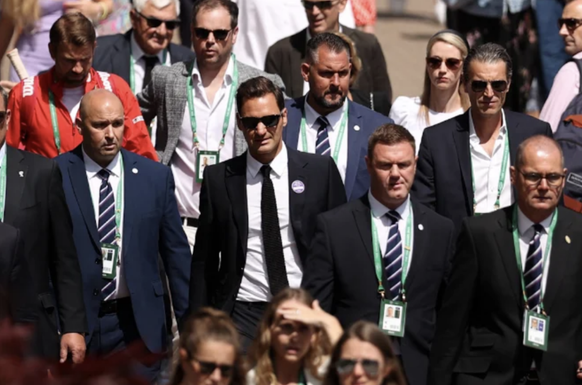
[335, 120]
[92, 168]
[209, 121]
[254, 286]
[487, 169]
[72, 100]
[138, 57]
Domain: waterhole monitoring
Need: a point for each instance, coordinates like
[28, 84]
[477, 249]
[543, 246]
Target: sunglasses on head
[154, 22]
[207, 368]
[571, 23]
[251, 123]
[322, 5]
[346, 366]
[496, 85]
[219, 34]
[436, 62]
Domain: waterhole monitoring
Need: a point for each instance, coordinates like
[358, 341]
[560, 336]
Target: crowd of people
[181, 215]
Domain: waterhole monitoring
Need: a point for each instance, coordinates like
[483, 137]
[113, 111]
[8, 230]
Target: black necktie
[150, 62]
[276, 271]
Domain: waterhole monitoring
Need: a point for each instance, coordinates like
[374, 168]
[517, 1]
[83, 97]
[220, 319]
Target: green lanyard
[132, 69]
[502, 174]
[378, 253]
[233, 89]
[545, 255]
[55, 121]
[2, 187]
[301, 378]
[340, 134]
[119, 201]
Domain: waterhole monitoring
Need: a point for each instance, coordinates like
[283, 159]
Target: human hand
[91, 9]
[7, 85]
[314, 316]
[75, 344]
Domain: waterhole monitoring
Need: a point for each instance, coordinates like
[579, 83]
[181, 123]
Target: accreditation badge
[203, 160]
[392, 317]
[110, 254]
[536, 328]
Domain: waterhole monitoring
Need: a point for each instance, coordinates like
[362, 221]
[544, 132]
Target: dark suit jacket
[443, 171]
[17, 296]
[479, 330]
[340, 273]
[362, 122]
[35, 204]
[284, 58]
[151, 225]
[221, 241]
[113, 54]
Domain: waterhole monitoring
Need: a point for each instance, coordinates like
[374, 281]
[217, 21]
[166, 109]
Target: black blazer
[17, 297]
[443, 171]
[35, 204]
[284, 58]
[340, 273]
[221, 241]
[479, 330]
[113, 54]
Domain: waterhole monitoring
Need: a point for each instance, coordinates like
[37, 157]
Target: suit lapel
[362, 218]
[294, 116]
[120, 61]
[356, 147]
[504, 238]
[512, 134]
[420, 243]
[131, 198]
[297, 199]
[16, 175]
[236, 187]
[461, 139]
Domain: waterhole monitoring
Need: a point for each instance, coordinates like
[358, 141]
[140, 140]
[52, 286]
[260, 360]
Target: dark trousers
[247, 317]
[115, 331]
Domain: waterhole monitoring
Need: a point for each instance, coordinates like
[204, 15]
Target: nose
[563, 30]
[211, 39]
[489, 91]
[543, 185]
[261, 129]
[216, 375]
[162, 29]
[78, 68]
[443, 66]
[335, 79]
[108, 132]
[358, 369]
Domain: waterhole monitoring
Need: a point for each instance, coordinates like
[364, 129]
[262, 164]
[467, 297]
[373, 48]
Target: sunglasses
[497, 85]
[321, 5]
[436, 62]
[346, 366]
[219, 34]
[534, 178]
[155, 22]
[269, 121]
[207, 368]
[571, 23]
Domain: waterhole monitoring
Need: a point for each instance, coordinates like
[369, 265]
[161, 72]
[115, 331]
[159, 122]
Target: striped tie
[322, 146]
[533, 271]
[106, 222]
[393, 259]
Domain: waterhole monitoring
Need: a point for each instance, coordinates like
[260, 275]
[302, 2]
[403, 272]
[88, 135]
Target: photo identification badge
[203, 160]
[536, 328]
[110, 254]
[393, 317]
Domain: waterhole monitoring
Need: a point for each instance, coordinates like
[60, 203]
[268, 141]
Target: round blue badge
[297, 186]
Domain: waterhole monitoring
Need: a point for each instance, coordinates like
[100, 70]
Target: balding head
[99, 98]
[571, 28]
[536, 147]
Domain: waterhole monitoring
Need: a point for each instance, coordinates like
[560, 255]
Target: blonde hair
[23, 13]
[356, 61]
[261, 353]
[460, 44]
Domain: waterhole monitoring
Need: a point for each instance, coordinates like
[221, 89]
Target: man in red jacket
[43, 108]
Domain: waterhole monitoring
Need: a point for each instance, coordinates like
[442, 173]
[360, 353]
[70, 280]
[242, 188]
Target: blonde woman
[294, 341]
[442, 96]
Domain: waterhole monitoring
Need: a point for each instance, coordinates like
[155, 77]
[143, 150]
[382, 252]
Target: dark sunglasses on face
[251, 123]
[435, 63]
[154, 22]
[347, 366]
[322, 5]
[219, 34]
[571, 23]
[207, 368]
[496, 85]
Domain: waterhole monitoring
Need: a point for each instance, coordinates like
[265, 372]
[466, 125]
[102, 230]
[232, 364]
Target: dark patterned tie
[322, 146]
[274, 258]
[533, 272]
[393, 259]
[150, 63]
[107, 224]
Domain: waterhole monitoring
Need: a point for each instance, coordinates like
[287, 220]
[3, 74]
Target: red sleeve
[136, 137]
[15, 129]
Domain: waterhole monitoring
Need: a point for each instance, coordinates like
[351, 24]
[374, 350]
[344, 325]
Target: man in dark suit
[17, 297]
[257, 213]
[515, 270]
[35, 204]
[284, 58]
[463, 163]
[124, 213]
[318, 122]
[375, 239]
[134, 54]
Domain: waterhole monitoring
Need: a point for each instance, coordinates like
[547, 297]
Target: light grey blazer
[166, 97]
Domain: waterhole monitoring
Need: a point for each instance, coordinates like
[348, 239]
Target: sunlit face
[291, 340]
[72, 63]
[572, 37]
[355, 349]
[323, 18]
[448, 74]
[4, 119]
[489, 102]
[205, 367]
[150, 38]
[211, 51]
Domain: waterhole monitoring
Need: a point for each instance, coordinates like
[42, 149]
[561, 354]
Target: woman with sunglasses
[443, 96]
[294, 341]
[209, 352]
[364, 355]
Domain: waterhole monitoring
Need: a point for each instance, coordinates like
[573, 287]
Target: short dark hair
[230, 6]
[389, 134]
[256, 88]
[488, 53]
[73, 28]
[332, 41]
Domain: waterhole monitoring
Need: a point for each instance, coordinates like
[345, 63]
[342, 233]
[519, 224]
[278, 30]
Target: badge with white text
[393, 317]
[537, 327]
[110, 254]
[203, 160]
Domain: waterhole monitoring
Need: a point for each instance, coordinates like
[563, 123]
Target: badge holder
[110, 254]
[537, 326]
[392, 317]
[203, 160]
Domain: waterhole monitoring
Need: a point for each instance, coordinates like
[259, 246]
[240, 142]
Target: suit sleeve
[337, 191]
[450, 251]
[147, 102]
[22, 297]
[174, 250]
[15, 129]
[271, 62]
[65, 269]
[454, 314]
[380, 76]
[423, 188]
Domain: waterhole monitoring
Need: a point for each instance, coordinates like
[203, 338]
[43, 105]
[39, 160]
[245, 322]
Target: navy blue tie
[322, 146]
[393, 259]
[107, 225]
[534, 269]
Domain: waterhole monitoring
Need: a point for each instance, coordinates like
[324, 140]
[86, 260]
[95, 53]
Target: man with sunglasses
[463, 163]
[285, 57]
[258, 213]
[567, 81]
[511, 312]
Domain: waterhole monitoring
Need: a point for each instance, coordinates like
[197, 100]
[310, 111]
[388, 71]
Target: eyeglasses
[219, 34]
[534, 178]
[571, 23]
[322, 5]
[209, 368]
[436, 62]
[347, 366]
[251, 123]
[154, 22]
[496, 85]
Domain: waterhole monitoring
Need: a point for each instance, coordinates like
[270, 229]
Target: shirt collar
[379, 210]
[341, 30]
[333, 117]
[93, 168]
[524, 223]
[578, 55]
[474, 139]
[228, 75]
[2, 153]
[137, 53]
[279, 164]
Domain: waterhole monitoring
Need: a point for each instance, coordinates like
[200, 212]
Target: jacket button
[95, 292]
[97, 261]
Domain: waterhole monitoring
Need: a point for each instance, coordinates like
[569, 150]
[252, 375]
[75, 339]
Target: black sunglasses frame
[436, 62]
[208, 368]
[321, 5]
[346, 366]
[496, 85]
[574, 23]
[219, 34]
[154, 22]
[251, 123]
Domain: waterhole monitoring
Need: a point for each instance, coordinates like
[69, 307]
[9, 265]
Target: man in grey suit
[195, 105]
